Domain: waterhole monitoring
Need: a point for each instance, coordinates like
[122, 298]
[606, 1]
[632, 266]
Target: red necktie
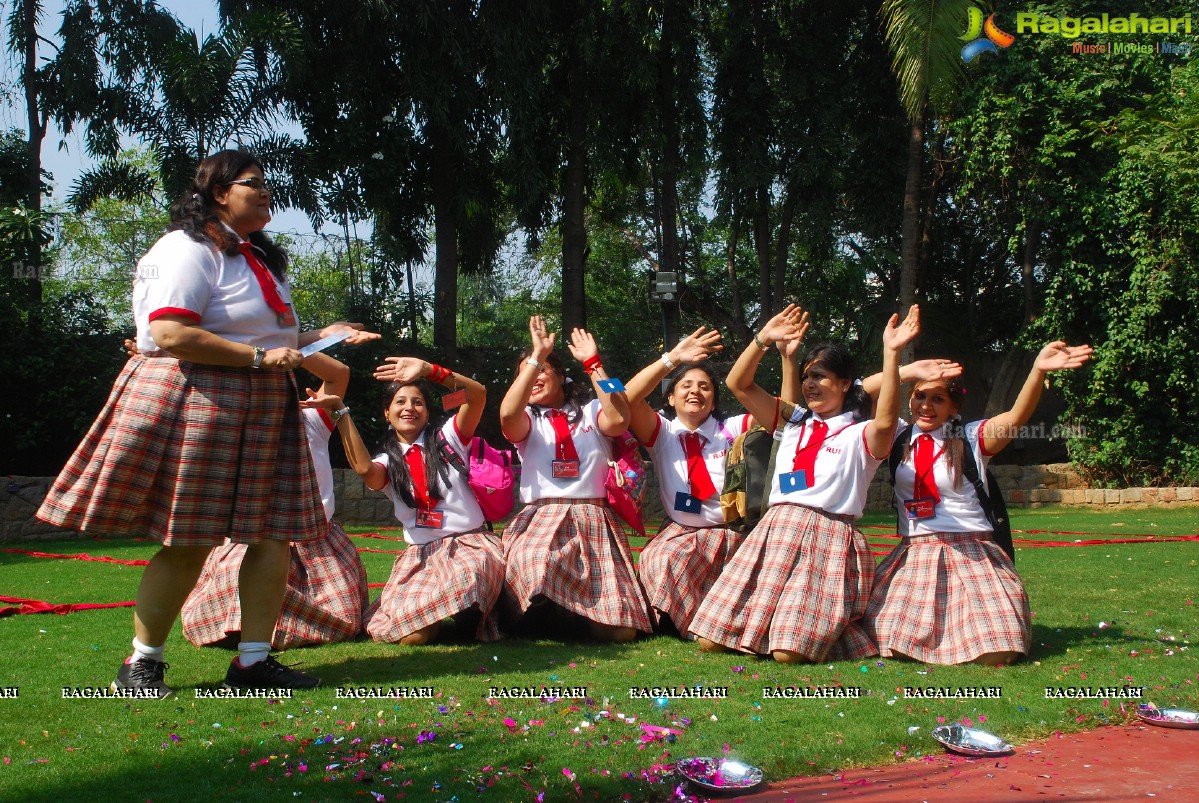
[416, 469]
[265, 280]
[697, 470]
[564, 445]
[925, 486]
[805, 458]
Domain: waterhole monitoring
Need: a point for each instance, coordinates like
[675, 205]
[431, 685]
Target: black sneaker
[144, 676]
[268, 674]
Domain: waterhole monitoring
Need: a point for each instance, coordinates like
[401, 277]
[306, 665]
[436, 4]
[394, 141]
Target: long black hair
[439, 457]
[194, 211]
[574, 395]
[955, 441]
[837, 359]
[676, 376]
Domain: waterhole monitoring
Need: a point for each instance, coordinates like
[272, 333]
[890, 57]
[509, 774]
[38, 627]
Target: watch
[259, 354]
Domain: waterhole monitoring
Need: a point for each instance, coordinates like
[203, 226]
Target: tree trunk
[33, 145]
[909, 251]
[574, 191]
[783, 246]
[1032, 238]
[668, 194]
[762, 250]
[445, 169]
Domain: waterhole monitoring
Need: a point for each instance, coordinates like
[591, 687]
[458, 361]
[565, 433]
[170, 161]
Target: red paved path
[1131, 762]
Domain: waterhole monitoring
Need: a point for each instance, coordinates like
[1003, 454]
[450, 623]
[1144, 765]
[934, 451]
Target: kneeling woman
[567, 547]
[799, 584]
[453, 566]
[687, 440]
[948, 594]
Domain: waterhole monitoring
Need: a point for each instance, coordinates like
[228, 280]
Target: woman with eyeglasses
[201, 438]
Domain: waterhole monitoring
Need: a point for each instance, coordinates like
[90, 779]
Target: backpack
[994, 508]
[488, 472]
[625, 483]
[748, 472]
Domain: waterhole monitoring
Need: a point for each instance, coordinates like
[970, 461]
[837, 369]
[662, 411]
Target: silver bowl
[1168, 717]
[970, 742]
[720, 775]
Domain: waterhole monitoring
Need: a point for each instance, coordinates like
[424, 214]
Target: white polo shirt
[319, 427]
[959, 510]
[667, 449]
[219, 293]
[460, 509]
[538, 452]
[843, 466]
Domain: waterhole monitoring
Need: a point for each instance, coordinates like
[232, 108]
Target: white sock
[251, 652]
[141, 651]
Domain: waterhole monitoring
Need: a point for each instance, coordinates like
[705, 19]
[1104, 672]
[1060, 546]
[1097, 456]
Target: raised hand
[543, 341]
[582, 345]
[931, 370]
[321, 400]
[896, 335]
[1057, 356]
[401, 369]
[697, 346]
[358, 333]
[790, 324]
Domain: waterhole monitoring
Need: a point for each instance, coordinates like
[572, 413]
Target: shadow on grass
[1049, 641]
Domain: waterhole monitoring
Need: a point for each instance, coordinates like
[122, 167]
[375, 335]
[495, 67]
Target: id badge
[429, 518]
[610, 385]
[287, 317]
[456, 399]
[565, 469]
[793, 481]
[686, 503]
[924, 508]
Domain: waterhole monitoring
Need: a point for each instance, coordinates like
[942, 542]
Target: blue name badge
[793, 481]
[686, 503]
[610, 385]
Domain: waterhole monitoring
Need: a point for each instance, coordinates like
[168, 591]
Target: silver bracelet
[532, 362]
[666, 360]
[341, 412]
[759, 343]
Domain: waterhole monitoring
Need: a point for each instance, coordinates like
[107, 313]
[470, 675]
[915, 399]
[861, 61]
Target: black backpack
[992, 503]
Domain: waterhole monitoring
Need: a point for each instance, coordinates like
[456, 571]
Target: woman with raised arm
[687, 440]
[567, 547]
[948, 594]
[201, 438]
[326, 581]
[799, 584]
[453, 566]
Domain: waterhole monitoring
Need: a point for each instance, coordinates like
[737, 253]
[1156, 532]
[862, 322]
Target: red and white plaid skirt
[680, 565]
[434, 581]
[799, 582]
[189, 455]
[325, 597]
[948, 599]
[573, 552]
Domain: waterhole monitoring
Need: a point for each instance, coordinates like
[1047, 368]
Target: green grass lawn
[1104, 616]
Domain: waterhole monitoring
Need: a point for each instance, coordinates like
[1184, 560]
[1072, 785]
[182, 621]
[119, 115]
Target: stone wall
[1022, 486]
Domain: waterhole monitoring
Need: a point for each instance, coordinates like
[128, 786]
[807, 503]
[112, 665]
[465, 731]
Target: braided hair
[194, 212]
[439, 456]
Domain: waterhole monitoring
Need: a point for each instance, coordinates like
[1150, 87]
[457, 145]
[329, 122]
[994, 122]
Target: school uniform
[947, 594]
[683, 560]
[801, 580]
[452, 563]
[326, 580]
[190, 454]
[567, 545]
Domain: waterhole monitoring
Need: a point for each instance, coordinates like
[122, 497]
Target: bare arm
[757, 402]
[695, 347]
[408, 369]
[880, 432]
[614, 416]
[1001, 430]
[187, 341]
[514, 422]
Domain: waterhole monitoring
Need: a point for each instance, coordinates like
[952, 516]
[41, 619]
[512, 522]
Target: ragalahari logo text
[990, 42]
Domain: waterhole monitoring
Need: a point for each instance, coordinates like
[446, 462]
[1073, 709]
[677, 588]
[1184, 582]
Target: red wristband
[439, 375]
[591, 363]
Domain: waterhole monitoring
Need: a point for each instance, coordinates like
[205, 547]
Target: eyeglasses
[253, 183]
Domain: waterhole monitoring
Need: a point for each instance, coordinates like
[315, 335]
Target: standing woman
[453, 565]
[948, 594]
[566, 547]
[688, 441]
[799, 584]
[201, 438]
[326, 581]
